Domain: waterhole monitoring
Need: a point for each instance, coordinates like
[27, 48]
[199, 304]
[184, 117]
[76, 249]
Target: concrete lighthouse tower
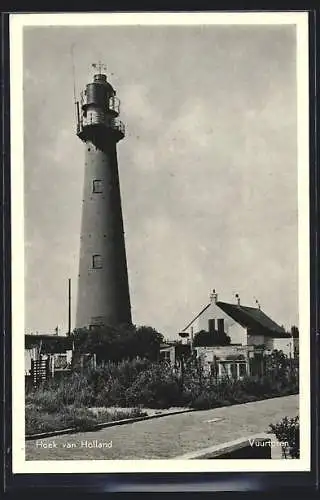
[103, 289]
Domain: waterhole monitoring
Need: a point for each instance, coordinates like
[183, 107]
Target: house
[58, 351]
[246, 326]
[57, 348]
[168, 352]
[173, 350]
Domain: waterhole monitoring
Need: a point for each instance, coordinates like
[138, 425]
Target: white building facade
[248, 328]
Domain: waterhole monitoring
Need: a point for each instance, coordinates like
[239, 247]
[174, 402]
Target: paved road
[166, 437]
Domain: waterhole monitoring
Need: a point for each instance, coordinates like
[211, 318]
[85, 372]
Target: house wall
[221, 352]
[284, 345]
[62, 359]
[171, 350]
[208, 355]
[29, 354]
[296, 346]
[236, 332]
[257, 340]
[33, 353]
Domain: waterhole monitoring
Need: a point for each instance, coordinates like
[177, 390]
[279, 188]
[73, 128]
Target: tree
[277, 363]
[147, 342]
[211, 339]
[295, 332]
[118, 343]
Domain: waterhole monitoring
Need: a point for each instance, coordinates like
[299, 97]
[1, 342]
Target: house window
[221, 325]
[96, 322]
[214, 369]
[224, 369]
[95, 327]
[233, 370]
[211, 325]
[242, 369]
[165, 355]
[97, 261]
[97, 186]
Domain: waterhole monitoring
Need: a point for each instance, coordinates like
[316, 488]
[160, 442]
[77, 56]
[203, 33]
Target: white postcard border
[17, 23]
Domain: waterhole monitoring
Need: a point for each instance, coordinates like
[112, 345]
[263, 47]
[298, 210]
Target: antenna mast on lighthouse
[76, 102]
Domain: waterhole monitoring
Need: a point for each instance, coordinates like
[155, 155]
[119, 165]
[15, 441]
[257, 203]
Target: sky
[208, 167]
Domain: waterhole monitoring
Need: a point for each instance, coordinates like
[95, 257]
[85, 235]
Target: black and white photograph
[160, 245]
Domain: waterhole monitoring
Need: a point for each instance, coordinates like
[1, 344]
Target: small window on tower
[97, 262]
[96, 322]
[97, 186]
[95, 327]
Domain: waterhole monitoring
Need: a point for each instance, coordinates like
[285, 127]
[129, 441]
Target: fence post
[182, 372]
[52, 366]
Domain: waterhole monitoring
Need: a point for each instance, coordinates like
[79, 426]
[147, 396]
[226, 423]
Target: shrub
[72, 389]
[156, 387]
[152, 384]
[111, 380]
[81, 419]
[287, 431]
[185, 398]
[205, 401]
[112, 394]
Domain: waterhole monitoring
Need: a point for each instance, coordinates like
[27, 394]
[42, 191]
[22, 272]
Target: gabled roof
[252, 318]
[48, 340]
[166, 345]
[196, 317]
[43, 336]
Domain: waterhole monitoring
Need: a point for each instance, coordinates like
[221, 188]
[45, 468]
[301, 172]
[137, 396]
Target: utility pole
[69, 306]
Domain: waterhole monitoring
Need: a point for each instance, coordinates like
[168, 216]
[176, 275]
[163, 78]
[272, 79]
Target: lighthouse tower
[103, 289]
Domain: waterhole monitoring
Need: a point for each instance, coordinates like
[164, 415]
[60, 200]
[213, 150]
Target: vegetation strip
[73, 430]
[89, 397]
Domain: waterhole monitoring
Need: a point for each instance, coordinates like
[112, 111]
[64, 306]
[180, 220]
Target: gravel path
[166, 437]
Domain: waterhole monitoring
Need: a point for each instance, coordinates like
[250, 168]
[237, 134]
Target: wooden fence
[40, 370]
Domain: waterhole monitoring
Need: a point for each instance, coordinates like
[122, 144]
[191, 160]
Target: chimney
[213, 296]
[238, 299]
[258, 304]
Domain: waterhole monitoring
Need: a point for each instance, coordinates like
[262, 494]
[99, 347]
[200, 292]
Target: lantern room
[99, 107]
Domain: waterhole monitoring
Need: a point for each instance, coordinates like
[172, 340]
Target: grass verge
[40, 420]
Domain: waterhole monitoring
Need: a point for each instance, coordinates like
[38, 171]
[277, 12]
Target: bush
[229, 391]
[141, 382]
[287, 431]
[206, 401]
[72, 389]
[110, 381]
[156, 387]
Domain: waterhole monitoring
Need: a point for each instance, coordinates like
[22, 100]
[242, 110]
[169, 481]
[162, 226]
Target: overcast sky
[208, 168]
